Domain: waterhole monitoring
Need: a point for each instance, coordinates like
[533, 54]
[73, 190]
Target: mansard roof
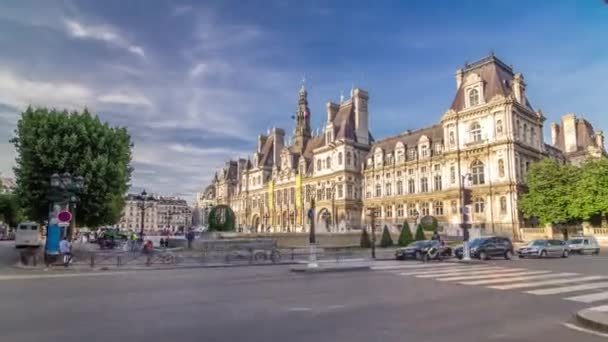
[409, 139]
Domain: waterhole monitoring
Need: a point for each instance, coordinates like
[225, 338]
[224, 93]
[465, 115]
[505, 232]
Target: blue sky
[195, 82]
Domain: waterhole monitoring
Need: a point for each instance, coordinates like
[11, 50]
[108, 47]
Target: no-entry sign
[64, 216]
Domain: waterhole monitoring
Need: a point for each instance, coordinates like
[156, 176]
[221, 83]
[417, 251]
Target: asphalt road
[271, 304]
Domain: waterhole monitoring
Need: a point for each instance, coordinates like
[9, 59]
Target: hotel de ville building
[484, 143]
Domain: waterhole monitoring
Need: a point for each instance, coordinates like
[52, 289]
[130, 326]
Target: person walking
[65, 248]
[190, 238]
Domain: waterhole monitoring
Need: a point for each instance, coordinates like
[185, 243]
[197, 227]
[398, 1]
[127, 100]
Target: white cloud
[103, 33]
[126, 98]
[20, 92]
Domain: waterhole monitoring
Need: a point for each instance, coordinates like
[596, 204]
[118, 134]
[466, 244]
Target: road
[268, 303]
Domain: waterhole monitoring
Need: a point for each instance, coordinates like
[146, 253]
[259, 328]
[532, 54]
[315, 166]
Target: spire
[301, 132]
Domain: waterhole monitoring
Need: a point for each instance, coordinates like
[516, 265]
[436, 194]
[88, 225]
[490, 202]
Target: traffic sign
[64, 216]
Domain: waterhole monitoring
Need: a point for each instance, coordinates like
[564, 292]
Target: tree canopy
[10, 211]
[52, 141]
[558, 193]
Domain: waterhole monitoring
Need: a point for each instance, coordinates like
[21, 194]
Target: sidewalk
[595, 318]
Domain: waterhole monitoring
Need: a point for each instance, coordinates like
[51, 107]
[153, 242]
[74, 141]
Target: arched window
[424, 207]
[477, 173]
[424, 184]
[328, 163]
[339, 158]
[525, 133]
[438, 208]
[399, 187]
[503, 205]
[479, 205]
[318, 164]
[348, 158]
[475, 131]
[501, 168]
[473, 97]
[411, 186]
[388, 189]
[452, 139]
[378, 190]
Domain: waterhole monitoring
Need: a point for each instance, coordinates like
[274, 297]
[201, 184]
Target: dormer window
[424, 151]
[473, 97]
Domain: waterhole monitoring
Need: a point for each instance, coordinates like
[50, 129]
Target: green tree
[10, 211]
[550, 189]
[365, 240]
[419, 233]
[221, 219]
[590, 193]
[386, 240]
[52, 141]
[405, 237]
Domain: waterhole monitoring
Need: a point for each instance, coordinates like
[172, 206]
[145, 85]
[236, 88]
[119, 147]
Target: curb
[593, 319]
[306, 270]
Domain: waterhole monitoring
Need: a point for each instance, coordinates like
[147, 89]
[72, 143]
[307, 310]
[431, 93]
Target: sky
[195, 82]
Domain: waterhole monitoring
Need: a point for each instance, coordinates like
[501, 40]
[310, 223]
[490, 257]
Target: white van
[28, 234]
[584, 245]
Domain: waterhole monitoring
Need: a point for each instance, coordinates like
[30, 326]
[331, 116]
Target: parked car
[488, 247]
[416, 249]
[544, 248]
[584, 244]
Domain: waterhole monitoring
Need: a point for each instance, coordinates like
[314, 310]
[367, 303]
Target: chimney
[554, 133]
[569, 132]
[519, 88]
[278, 136]
[360, 98]
[599, 139]
[332, 110]
[261, 141]
[459, 78]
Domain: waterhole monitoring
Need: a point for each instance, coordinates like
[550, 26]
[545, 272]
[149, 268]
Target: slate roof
[497, 78]
[434, 133]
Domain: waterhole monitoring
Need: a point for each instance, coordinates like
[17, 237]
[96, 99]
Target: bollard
[93, 260]
[118, 261]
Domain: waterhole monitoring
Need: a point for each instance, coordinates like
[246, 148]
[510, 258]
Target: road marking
[506, 273]
[516, 279]
[461, 272]
[601, 308]
[299, 309]
[573, 288]
[455, 270]
[546, 282]
[417, 265]
[59, 275]
[581, 329]
[589, 298]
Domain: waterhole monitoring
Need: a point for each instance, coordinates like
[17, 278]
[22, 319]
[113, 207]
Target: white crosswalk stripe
[546, 282]
[410, 266]
[589, 298]
[566, 289]
[515, 279]
[509, 273]
[450, 271]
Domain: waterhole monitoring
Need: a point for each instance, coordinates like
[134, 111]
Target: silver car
[584, 244]
[544, 248]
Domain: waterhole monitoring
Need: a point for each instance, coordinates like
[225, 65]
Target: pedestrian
[162, 242]
[436, 236]
[65, 248]
[148, 249]
[190, 238]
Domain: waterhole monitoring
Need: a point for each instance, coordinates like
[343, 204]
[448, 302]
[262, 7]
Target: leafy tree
[590, 195]
[365, 240]
[52, 141]
[221, 219]
[405, 237]
[419, 233]
[386, 240]
[10, 211]
[550, 192]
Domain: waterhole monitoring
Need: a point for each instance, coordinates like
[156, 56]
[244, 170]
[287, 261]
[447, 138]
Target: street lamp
[143, 205]
[64, 191]
[463, 218]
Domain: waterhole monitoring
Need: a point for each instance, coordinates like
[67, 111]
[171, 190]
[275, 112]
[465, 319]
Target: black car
[415, 250]
[488, 247]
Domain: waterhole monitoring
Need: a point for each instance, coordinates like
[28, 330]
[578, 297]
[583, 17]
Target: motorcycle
[435, 252]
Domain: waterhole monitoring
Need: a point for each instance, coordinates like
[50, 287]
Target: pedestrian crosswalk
[572, 286]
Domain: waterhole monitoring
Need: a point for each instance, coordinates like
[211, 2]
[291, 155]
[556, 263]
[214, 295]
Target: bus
[28, 235]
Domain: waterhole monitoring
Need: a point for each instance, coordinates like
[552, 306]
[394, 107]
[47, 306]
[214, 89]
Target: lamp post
[312, 237]
[416, 215]
[372, 212]
[464, 225]
[143, 205]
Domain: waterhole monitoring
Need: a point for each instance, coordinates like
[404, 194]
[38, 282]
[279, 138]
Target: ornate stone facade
[484, 142]
[272, 191]
[161, 213]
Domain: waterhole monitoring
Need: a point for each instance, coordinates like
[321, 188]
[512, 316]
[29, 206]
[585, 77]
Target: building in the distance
[159, 214]
[272, 190]
[205, 200]
[475, 157]
[7, 185]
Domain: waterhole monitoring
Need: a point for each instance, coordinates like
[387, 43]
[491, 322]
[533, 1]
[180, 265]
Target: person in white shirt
[66, 249]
